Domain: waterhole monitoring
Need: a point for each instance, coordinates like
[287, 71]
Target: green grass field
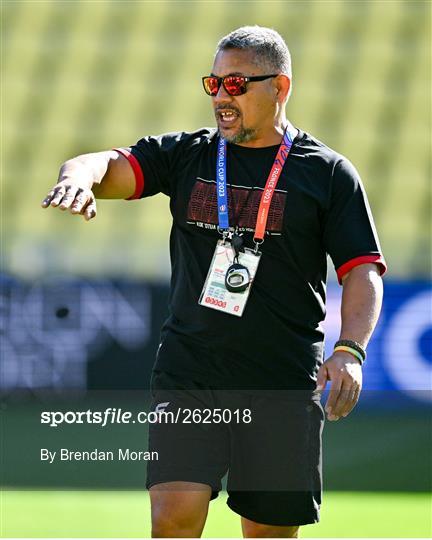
[127, 514]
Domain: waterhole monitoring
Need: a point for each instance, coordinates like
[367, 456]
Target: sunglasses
[235, 85]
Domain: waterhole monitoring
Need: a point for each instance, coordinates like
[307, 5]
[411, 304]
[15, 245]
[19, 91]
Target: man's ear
[282, 84]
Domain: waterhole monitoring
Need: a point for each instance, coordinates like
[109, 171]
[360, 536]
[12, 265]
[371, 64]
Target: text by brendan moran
[120, 454]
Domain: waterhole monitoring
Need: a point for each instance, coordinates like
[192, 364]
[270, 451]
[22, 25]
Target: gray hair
[267, 44]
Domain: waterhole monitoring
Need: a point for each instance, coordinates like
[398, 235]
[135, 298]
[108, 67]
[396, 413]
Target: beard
[237, 135]
[243, 135]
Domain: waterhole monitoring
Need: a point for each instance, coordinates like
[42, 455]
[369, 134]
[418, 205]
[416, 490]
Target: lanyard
[269, 189]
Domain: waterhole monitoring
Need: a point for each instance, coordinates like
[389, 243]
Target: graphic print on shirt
[243, 204]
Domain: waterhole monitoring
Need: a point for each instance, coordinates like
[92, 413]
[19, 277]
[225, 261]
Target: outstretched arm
[103, 175]
[361, 306]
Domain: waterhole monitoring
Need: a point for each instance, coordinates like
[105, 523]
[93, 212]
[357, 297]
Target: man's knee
[167, 522]
[179, 513]
[251, 529]
[173, 526]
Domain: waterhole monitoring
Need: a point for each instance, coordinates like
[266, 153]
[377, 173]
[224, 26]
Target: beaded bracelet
[353, 345]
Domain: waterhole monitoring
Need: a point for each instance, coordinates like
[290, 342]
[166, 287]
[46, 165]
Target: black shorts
[269, 444]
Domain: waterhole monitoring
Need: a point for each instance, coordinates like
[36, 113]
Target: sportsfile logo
[159, 415]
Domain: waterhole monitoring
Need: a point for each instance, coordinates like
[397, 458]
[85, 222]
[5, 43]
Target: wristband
[351, 351]
[353, 345]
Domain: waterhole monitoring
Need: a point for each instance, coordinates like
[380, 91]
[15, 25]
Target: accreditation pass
[214, 294]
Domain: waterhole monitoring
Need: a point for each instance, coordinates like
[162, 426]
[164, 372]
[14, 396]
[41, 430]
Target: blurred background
[83, 76]
[82, 303]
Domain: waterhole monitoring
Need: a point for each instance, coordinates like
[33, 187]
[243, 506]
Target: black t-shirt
[319, 207]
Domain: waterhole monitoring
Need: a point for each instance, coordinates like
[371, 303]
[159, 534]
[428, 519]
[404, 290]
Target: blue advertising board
[399, 356]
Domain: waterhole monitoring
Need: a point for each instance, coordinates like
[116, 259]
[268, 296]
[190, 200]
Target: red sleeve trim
[357, 261]
[136, 167]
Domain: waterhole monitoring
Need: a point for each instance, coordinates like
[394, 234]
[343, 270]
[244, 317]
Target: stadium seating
[84, 76]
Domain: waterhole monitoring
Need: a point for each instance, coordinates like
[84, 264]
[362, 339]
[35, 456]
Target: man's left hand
[345, 374]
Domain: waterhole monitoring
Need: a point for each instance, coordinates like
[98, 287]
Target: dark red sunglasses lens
[235, 85]
[211, 85]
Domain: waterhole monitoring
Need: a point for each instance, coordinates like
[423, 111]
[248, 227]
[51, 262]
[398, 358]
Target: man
[245, 315]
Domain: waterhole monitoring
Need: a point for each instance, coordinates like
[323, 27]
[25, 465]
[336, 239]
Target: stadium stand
[84, 76]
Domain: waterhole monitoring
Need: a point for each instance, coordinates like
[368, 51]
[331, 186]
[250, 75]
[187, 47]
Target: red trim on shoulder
[136, 167]
[357, 261]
